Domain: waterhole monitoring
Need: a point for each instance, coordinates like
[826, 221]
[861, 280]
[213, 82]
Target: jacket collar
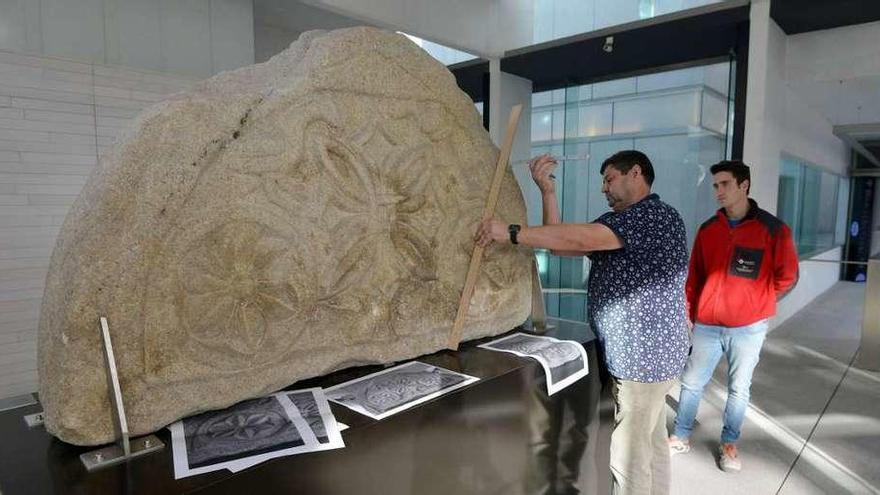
[750, 215]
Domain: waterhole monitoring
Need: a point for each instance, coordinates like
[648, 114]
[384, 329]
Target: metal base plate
[114, 454]
[540, 328]
[34, 420]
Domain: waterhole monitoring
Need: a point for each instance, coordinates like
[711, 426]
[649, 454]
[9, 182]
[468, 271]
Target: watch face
[513, 229]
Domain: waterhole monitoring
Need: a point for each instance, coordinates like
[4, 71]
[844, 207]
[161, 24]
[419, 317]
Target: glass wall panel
[657, 112]
[559, 123]
[714, 116]
[818, 214]
[681, 163]
[717, 77]
[671, 79]
[813, 203]
[542, 126]
[809, 210]
[591, 121]
[663, 115]
[826, 220]
[789, 197]
[618, 87]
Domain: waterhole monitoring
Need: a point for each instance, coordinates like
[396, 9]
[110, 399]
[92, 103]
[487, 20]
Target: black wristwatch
[513, 230]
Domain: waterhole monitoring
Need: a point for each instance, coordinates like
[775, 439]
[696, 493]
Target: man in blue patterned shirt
[635, 300]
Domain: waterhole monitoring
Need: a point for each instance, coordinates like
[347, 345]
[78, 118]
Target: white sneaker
[678, 445]
[729, 458]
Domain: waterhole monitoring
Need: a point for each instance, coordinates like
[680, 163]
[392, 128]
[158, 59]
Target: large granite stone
[277, 222]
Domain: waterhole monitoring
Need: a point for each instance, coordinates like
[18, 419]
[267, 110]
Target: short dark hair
[737, 168]
[624, 161]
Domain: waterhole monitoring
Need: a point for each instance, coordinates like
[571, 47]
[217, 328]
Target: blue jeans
[742, 346]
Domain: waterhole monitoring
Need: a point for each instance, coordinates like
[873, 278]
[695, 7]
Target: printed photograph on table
[305, 401]
[216, 440]
[312, 406]
[396, 389]
[252, 432]
[564, 361]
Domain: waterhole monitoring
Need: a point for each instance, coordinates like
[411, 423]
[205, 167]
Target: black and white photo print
[215, 439]
[564, 361]
[390, 391]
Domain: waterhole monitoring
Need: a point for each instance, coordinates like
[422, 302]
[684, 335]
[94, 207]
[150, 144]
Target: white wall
[780, 120]
[192, 37]
[807, 134]
[482, 27]
[73, 73]
[56, 116]
[830, 54]
[278, 23]
[838, 70]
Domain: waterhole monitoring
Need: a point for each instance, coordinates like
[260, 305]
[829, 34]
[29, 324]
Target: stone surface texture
[278, 222]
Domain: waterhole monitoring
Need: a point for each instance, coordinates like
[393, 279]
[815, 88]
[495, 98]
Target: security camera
[608, 47]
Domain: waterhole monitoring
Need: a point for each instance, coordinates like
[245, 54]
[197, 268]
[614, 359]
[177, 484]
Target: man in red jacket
[743, 261]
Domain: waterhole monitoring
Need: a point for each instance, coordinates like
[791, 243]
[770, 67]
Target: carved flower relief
[393, 181]
[376, 202]
[234, 292]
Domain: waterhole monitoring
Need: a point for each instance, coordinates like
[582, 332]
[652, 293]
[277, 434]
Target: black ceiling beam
[801, 16]
[675, 40]
[471, 77]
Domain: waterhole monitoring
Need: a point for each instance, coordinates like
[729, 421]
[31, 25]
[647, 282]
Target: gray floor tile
[847, 437]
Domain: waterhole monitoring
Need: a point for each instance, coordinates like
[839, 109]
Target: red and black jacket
[738, 273]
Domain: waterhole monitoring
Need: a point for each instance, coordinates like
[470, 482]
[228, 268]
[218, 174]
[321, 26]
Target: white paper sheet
[564, 361]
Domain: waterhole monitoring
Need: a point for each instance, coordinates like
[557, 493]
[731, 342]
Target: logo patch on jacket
[746, 262]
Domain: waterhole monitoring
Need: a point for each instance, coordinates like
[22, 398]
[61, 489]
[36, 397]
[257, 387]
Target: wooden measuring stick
[477, 256]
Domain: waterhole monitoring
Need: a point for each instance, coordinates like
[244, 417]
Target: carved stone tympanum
[277, 222]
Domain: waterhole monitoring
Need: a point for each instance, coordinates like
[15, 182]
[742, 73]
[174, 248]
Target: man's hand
[491, 230]
[542, 168]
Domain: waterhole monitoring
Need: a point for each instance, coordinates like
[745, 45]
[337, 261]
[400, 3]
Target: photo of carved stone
[308, 409]
[564, 361]
[210, 441]
[397, 389]
[252, 427]
[252, 432]
[277, 222]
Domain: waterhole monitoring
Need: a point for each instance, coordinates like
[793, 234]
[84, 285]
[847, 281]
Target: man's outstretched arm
[576, 238]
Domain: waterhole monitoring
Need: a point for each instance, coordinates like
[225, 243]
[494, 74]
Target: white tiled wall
[193, 37]
[56, 116]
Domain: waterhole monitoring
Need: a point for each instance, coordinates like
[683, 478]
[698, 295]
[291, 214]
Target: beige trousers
[639, 454]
